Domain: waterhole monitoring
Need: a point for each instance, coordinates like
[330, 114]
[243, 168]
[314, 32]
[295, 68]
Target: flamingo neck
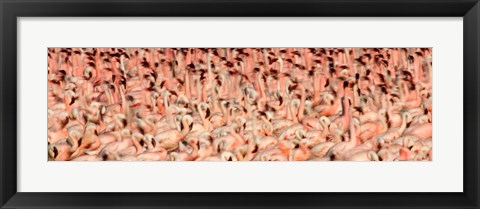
[214, 101]
[202, 116]
[237, 137]
[346, 112]
[185, 129]
[292, 107]
[168, 112]
[404, 124]
[228, 116]
[353, 134]
[373, 156]
[124, 101]
[355, 95]
[137, 145]
[187, 84]
[302, 105]
[109, 95]
[261, 85]
[267, 132]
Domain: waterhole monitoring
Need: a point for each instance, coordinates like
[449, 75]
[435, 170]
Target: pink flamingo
[169, 139]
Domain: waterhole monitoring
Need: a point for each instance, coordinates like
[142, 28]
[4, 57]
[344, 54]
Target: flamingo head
[52, 152]
[149, 140]
[228, 156]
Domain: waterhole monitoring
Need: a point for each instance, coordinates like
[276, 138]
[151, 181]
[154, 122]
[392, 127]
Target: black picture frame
[11, 9]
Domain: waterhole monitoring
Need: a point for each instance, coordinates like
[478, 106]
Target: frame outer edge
[3, 196]
[8, 102]
[8, 145]
[2, 177]
[477, 157]
[471, 30]
[477, 185]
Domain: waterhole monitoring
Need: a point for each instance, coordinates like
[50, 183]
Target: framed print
[246, 104]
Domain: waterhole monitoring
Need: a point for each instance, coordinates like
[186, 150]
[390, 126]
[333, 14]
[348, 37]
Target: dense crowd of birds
[240, 104]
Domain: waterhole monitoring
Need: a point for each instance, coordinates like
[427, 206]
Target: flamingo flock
[240, 104]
